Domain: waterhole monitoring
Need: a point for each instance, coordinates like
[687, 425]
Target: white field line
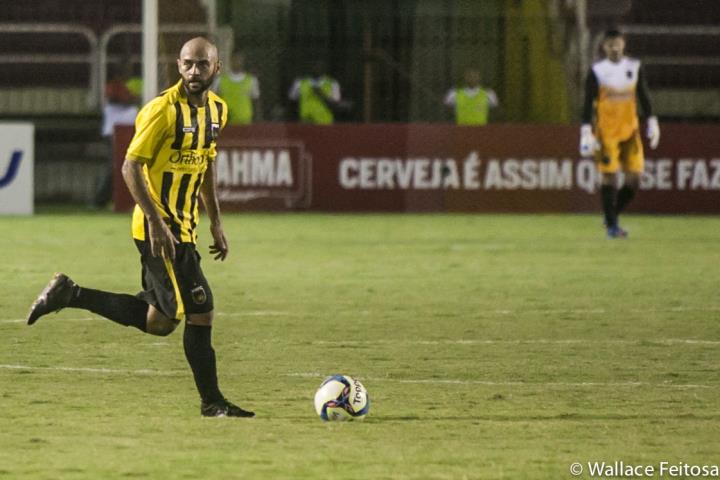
[538, 341]
[23, 320]
[440, 381]
[255, 313]
[534, 341]
[142, 371]
[567, 311]
[434, 381]
[250, 313]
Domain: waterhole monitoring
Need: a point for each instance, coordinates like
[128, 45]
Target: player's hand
[162, 241]
[220, 247]
[653, 132]
[588, 142]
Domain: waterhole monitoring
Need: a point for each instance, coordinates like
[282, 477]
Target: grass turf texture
[491, 346]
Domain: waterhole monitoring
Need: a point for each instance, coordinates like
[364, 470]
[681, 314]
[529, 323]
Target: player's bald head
[199, 47]
[198, 65]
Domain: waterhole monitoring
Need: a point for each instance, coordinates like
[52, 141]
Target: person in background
[135, 85]
[471, 103]
[120, 108]
[318, 96]
[241, 91]
[613, 88]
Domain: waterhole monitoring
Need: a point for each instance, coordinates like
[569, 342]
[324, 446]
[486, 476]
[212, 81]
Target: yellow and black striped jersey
[174, 141]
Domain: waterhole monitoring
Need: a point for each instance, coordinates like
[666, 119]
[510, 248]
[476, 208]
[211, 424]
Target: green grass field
[492, 347]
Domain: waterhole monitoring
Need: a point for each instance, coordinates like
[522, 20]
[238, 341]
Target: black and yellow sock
[624, 196]
[201, 357]
[119, 307]
[607, 193]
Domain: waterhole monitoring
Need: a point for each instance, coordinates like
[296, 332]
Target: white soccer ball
[342, 398]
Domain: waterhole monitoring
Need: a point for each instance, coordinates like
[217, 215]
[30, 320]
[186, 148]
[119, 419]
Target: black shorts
[175, 288]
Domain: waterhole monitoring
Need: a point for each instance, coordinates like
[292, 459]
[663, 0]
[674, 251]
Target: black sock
[118, 307]
[624, 196]
[201, 357]
[608, 202]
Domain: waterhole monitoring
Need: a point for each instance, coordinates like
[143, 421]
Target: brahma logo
[270, 172]
[12, 168]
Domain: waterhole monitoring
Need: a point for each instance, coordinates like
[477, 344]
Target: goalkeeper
[613, 87]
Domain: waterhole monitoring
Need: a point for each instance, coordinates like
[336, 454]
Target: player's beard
[204, 85]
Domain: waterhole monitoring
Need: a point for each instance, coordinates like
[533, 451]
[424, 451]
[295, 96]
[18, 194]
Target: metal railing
[667, 30]
[678, 101]
[91, 58]
[97, 57]
[223, 34]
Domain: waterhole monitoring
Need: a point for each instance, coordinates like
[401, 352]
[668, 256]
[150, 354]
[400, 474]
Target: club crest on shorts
[198, 295]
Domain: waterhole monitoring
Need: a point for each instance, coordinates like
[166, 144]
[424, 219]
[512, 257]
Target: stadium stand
[51, 76]
[679, 43]
[395, 60]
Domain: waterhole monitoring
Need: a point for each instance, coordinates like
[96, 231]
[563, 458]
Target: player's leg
[608, 189]
[633, 161]
[127, 310]
[198, 304]
[62, 292]
[160, 324]
[200, 354]
[608, 164]
[154, 310]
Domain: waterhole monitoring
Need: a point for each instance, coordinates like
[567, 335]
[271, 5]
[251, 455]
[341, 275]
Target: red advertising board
[424, 167]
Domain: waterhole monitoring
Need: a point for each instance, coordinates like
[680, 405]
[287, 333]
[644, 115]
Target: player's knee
[165, 328]
[608, 179]
[632, 180]
[159, 324]
[201, 319]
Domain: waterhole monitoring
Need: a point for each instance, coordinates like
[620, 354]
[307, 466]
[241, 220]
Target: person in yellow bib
[613, 88]
[318, 96]
[471, 103]
[241, 91]
[135, 85]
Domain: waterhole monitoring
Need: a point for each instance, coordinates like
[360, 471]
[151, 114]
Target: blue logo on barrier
[12, 168]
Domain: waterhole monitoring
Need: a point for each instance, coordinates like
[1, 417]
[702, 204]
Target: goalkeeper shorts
[615, 154]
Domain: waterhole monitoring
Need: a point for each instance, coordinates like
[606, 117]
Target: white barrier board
[17, 158]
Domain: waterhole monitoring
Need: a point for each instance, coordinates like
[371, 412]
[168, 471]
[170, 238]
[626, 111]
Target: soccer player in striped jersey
[169, 167]
[612, 90]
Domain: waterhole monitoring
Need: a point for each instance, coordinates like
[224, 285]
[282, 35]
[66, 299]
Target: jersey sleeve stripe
[208, 126]
[219, 107]
[167, 181]
[179, 124]
[194, 125]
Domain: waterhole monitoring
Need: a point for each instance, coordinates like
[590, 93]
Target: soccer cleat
[53, 298]
[616, 232]
[223, 408]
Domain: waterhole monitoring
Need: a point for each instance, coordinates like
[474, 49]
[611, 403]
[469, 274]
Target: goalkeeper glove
[653, 132]
[588, 142]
